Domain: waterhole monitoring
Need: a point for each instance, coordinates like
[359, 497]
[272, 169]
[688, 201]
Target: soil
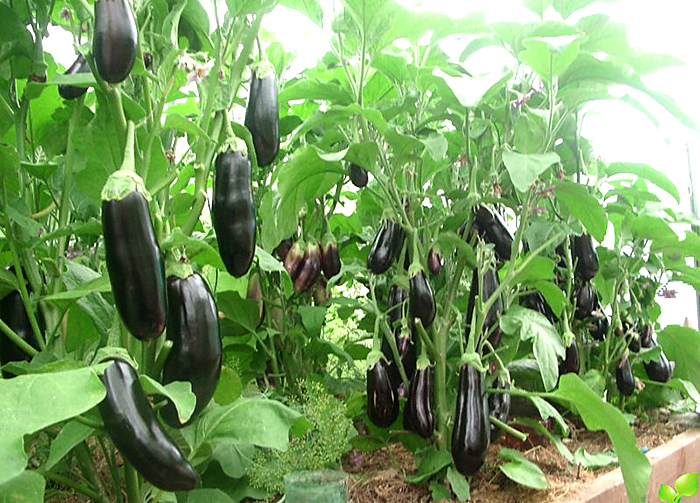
[378, 476]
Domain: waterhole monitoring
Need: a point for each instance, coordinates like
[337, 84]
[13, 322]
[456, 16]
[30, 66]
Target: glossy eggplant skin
[330, 259]
[283, 248]
[584, 256]
[489, 284]
[586, 300]
[14, 315]
[658, 370]
[233, 212]
[471, 431]
[262, 117]
[358, 175]
[193, 326]
[421, 300]
[499, 407]
[68, 92]
[572, 361]
[294, 258]
[114, 40]
[493, 230]
[624, 378]
[600, 328]
[396, 307]
[418, 412]
[309, 270]
[141, 440]
[382, 398]
[135, 265]
[381, 254]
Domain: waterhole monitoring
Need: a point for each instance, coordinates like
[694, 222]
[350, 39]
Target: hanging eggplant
[584, 256]
[586, 300]
[262, 116]
[489, 284]
[499, 407]
[471, 431]
[624, 378]
[493, 230]
[418, 412]
[572, 361]
[421, 300]
[382, 398]
[381, 254]
[114, 40]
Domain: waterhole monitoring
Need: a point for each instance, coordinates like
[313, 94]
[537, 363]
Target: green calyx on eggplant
[584, 256]
[434, 262]
[358, 175]
[499, 407]
[13, 313]
[572, 362]
[489, 284]
[330, 258]
[381, 254]
[421, 300]
[586, 300]
[418, 412]
[624, 378]
[382, 397]
[134, 429]
[262, 117]
[233, 212]
[195, 357]
[658, 370]
[309, 270]
[472, 430]
[114, 40]
[492, 229]
[68, 92]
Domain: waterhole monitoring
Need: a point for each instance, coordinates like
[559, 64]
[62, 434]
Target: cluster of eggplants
[499, 407]
[386, 247]
[233, 212]
[115, 39]
[657, 370]
[358, 175]
[584, 256]
[418, 411]
[491, 229]
[472, 431]
[262, 116]
[382, 397]
[489, 284]
[396, 310]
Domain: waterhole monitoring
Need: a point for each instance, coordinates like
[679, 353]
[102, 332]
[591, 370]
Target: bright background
[618, 132]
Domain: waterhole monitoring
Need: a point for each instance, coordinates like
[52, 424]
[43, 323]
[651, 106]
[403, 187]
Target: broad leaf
[28, 487]
[524, 169]
[521, 470]
[583, 206]
[432, 463]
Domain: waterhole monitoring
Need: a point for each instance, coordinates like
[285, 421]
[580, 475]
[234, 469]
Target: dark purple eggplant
[330, 258]
[68, 92]
[493, 230]
[624, 377]
[421, 301]
[294, 259]
[262, 117]
[358, 175]
[114, 40]
[309, 270]
[407, 352]
[321, 291]
[434, 262]
[536, 302]
[499, 407]
[382, 398]
[14, 315]
[489, 284]
[586, 300]
[471, 432]
[381, 254]
[283, 248]
[572, 362]
[418, 412]
[600, 327]
[396, 304]
[584, 256]
[659, 370]
[646, 337]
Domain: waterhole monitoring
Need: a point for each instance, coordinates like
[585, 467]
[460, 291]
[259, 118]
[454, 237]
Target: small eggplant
[254, 292]
[659, 370]
[586, 300]
[283, 248]
[599, 329]
[646, 338]
[330, 258]
[381, 255]
[494, 231]
[434, 262]
[499, 407]
[294, 259]
[310, 269]
[471, 431]
[382, 398]
[358, 175]
[572, 362]
[421, 300]
[624, 376]
[584, 256]
[68, 92]
[321, 291]
[418, 412]
[489, 284]
[114, 40]
[396, 304]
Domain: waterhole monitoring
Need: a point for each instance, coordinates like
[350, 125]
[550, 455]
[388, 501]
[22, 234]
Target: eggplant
[421, 301]
[658, 370]
[624, 377]
[536, 302]
[586, 300]
[499, 407]
[489, 284]
[283, 248]
[584, 256]
[600, 327]
[494, 231]
[418, 412]
[68, 92]
[646, 337]
[114, 40]
[381, 254]
[13, 313]
[310, 269]
[434, 262]
[330, 258]
[320, 291]
[358, 175]
[195, 357]
[396, 304]
[382, 398]
[262, 116]
[571, 363]
[471, 432]
[294, 259]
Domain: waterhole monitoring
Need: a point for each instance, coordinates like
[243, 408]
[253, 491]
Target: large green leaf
[599, 415]
[549, 57]
[682, 345]
[583, 206]
[524, 169]
[32, 402]
[521, 470]
[28, 487]
[646, 172]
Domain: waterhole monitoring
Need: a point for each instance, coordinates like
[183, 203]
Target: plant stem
[87, 464]
[65, 481]
[132, 483]
[509, 429]
[12, 335]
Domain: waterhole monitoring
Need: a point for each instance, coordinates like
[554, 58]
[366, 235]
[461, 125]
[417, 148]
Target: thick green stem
[114, 101]
[87, 464]
[17, 340]
[509, 429]
[131, 478]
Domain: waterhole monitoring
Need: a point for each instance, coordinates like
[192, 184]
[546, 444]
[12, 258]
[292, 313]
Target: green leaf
[30, 403]
[179, 392]
[546, 411]
[521, 470]
[568, 7]
[256, 421]
[554, 296]
[234, 458]
[208, 496]
[685, 387]
[549, 57]
[545, 340]
[267, 262]
[536, 425]
[599, 415]
[71, 434]
[432, 463]
[524, 169]
[458, 483]
[440, 492]
[667, 494]
[229, 388]
[687, 485]
[183, 124]
[312, 318]
[435, 146]
[682, 345]
[596, 460]
[646, 172]
[310, 8]
[469, 91]
[582, 205]
[28, 487]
